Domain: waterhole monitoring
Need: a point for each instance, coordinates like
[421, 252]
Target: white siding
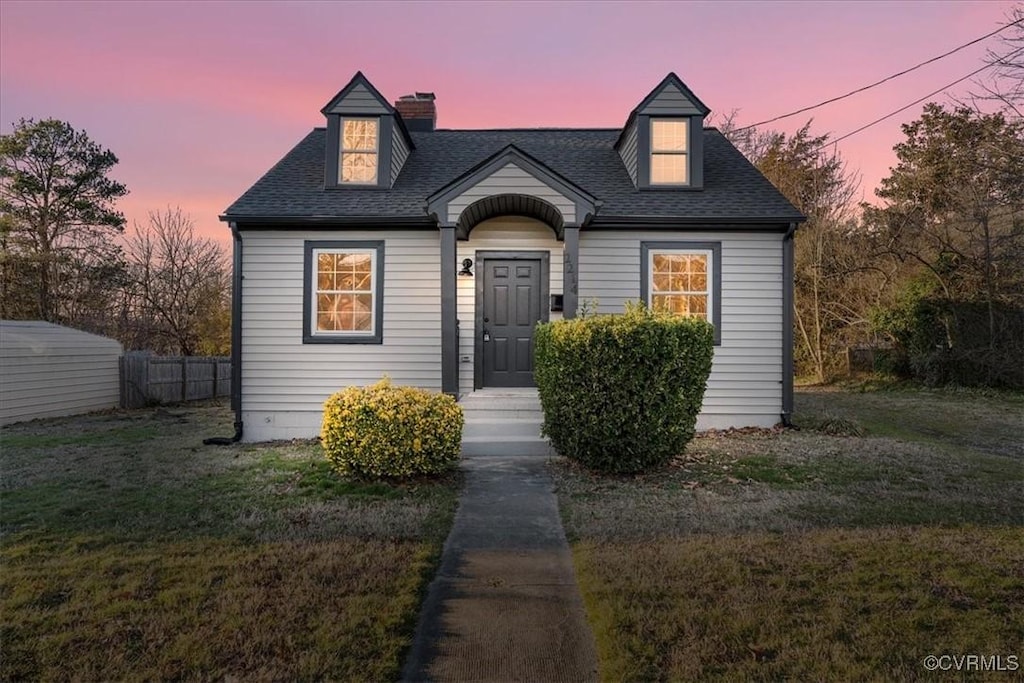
[510, 179]
[628, 150]
[745, 387]
[285, 382]
[399, 152]
[47, 371]
[499, 234]
[359, 100]
[670, 101]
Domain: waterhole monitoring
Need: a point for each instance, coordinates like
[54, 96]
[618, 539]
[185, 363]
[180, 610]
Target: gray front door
[511, 308]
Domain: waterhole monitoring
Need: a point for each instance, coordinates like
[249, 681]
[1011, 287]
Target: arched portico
[494, 206]
[509, 183]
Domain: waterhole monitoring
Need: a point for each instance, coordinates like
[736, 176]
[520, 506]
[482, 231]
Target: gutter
[236, 342]
[766, 222]
[788, 265]
[329, 221]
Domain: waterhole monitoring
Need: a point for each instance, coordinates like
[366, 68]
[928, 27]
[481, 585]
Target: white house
[381, 244]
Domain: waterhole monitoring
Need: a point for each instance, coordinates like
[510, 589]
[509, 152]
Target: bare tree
[836, 280]
[751, 141]
[1004, 82]
[179, 291]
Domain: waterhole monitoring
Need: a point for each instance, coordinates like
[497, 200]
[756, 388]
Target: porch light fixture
[467, 268]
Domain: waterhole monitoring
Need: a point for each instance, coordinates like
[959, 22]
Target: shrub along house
[383, 245]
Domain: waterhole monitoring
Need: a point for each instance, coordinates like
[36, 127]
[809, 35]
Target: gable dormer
[367, 141]
[662, 143]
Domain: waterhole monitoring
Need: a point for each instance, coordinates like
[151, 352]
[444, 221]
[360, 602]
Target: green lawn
[768, 555]
[131, 551]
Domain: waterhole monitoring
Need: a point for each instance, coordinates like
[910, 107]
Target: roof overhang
[330, 222]
[730, 223]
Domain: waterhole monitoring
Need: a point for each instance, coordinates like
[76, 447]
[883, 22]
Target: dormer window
[662, 143]
[360, 149]
[366, 141]
[669, 150]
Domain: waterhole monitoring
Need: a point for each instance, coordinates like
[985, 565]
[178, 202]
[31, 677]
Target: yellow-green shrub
[391, 431]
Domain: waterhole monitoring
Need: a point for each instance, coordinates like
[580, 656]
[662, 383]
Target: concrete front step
[501, 403]
[501, 427]
[503, 422]
[499, 413]
[503, 446]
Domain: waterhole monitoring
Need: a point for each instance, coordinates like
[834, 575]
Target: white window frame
[685, 153]
[709, 258]
[315, 291]
[342, 151]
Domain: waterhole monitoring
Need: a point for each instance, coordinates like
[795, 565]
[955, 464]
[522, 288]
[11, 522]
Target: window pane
[336, 312]
[324, 322]
[669, 263]
[345, 282]
[678, 304]
[668, 168]
[362, 282]
[345, 272]
[358, 168]
[668, 135]
[661, 302]
[344, 291]
[360, 262]
[359, 134]
[328, 311]
[362, 310]
[680, 283]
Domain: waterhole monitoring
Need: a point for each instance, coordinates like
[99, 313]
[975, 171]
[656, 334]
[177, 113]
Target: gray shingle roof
[733, 188]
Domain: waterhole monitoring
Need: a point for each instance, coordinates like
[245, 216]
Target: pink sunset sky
[198, 99]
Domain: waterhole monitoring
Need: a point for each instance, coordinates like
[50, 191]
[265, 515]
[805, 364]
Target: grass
[132, 552]
[888, 528]
[825, 605]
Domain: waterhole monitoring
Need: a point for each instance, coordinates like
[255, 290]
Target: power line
[877, 83]
[917, 101]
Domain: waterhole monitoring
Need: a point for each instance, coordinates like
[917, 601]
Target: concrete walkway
[504, 605]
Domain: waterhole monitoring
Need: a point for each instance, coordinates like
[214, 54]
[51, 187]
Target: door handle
[487, 336]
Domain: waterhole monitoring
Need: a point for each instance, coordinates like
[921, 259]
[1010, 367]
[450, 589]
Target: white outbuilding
[48, 370]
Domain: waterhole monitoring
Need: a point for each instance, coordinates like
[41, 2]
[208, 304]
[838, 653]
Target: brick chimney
[418, 111]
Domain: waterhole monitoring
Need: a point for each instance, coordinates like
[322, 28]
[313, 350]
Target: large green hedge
[943, 341]
[621, 393]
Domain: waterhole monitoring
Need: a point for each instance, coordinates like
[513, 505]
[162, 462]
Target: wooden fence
[147, 379]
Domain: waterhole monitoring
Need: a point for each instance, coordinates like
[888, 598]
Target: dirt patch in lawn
[132, 551]
[792, 481]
